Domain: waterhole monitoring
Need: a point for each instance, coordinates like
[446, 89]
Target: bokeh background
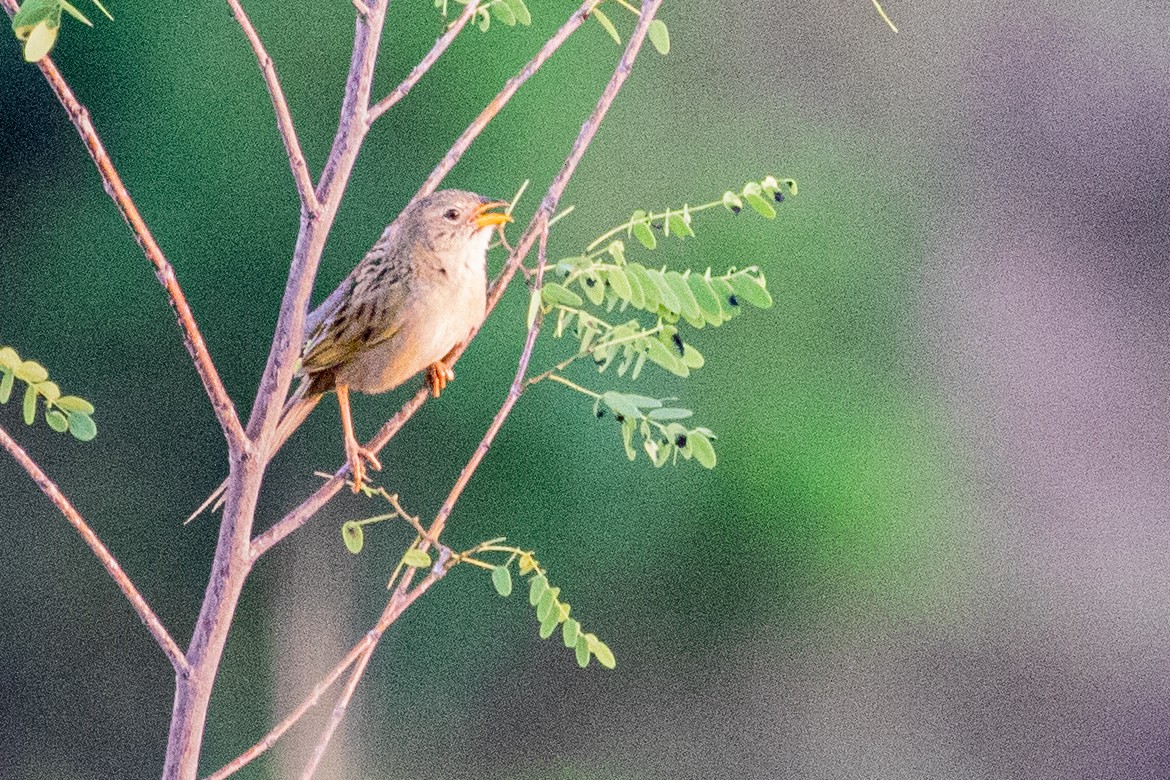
[936, 543]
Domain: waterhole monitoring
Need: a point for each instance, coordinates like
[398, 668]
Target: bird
[415, 298]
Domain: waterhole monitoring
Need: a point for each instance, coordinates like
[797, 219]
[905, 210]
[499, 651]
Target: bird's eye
[452, 214]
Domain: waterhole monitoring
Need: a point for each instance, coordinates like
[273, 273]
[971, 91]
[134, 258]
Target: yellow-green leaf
[416, 558]
[617, 280]
[607, 25]
[71, 403]
[659, 36]
[82, 426]
[751, 290]
[602, 651]
[30, 404]
[582, 651]
[40, 42]
[502, 580]
[353, 535]
[570, 631]
[702, 450]
[31, 371]
[56, 420]
[536, 588]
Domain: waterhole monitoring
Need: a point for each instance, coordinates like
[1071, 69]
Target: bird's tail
[296, 409]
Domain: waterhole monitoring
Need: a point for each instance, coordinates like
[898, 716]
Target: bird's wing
[369, 313]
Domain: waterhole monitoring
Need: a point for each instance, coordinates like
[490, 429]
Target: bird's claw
[438, 375]
[357, 466]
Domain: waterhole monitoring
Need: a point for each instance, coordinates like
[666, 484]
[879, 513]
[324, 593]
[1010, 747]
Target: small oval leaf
[750, 289]
[582, 652]
[30, 404]
[353, 535]
[82, 426]
[702, 450]
[71, 403]
[659, 36]
[536, 588]
[502, 580]
[57, 421]
[416, 558]
[607, 25]
[570, 631]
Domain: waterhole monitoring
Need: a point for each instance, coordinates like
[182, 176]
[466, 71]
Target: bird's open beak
[484, 218]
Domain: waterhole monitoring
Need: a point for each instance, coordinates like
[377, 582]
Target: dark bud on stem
[680, 440]
[733, 300]
[778, 196]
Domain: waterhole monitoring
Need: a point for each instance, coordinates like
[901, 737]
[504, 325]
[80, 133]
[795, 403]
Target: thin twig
[473, 130]
[225, 411]
[399, 92]
[363, 648]
[107, 559]
[284, 122]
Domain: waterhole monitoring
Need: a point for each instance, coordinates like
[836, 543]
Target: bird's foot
[438, 375]
[358, 458]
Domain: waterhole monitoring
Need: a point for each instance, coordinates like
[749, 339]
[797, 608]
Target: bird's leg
[356, 454]
[440, 373]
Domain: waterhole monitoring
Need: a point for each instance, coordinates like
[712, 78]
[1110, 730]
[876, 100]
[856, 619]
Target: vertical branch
[107, 559]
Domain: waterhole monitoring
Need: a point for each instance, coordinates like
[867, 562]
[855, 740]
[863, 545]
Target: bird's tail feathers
[296, 409]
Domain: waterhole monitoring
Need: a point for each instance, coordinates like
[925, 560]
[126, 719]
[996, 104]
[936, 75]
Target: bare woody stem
[145, 613]
[463, 143]
[284, 122]
[416, 73]
[225, 411]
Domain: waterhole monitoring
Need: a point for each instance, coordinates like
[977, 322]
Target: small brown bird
[417, 295]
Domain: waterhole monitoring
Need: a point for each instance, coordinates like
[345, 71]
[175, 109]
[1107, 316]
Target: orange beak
[484, 218]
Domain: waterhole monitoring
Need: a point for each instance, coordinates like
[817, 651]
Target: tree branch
[463, 143]
[539, 226]
[284, 122]
[107, 559]
[399, 92]
[225, 411]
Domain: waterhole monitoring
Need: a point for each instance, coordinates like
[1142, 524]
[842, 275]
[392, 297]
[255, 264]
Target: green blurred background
[936, 541]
